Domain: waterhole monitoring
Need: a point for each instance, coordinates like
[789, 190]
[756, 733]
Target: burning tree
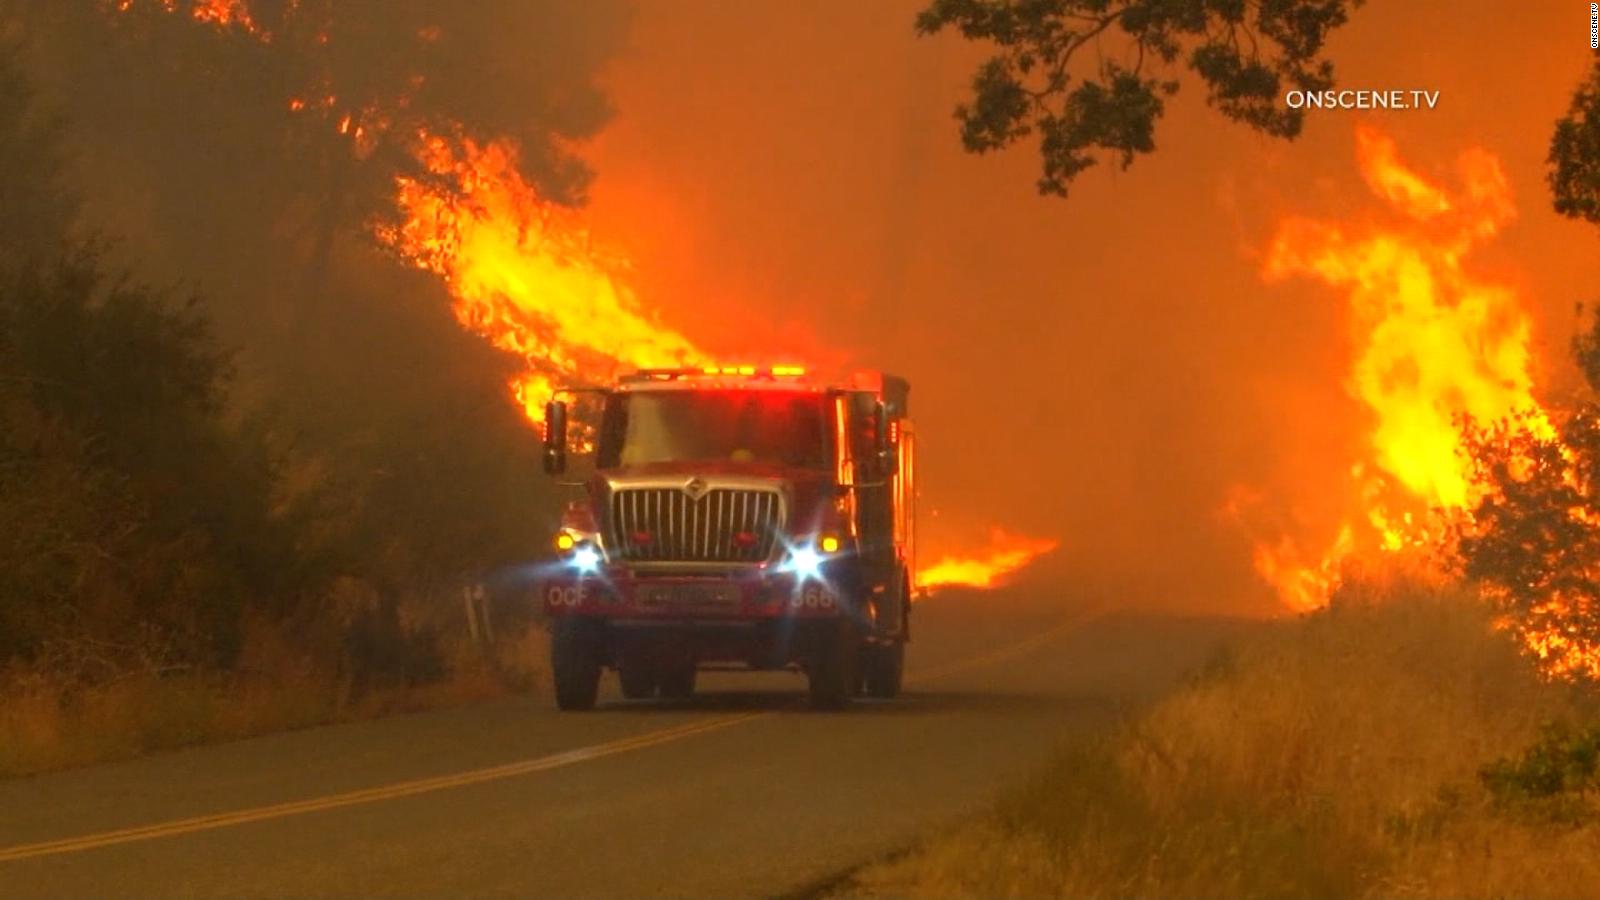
[251, 148]
[1532, 540]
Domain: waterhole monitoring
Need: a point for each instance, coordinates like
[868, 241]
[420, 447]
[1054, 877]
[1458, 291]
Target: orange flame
[1006, 554]
[1433, 343]
[524, 273]
[1559, 653]
[521, 270]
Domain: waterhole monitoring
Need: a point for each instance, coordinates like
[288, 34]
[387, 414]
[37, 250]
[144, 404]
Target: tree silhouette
[1575, 153]
[1054, 76]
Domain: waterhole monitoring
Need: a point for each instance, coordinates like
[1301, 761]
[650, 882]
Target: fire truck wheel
[638, 679]
[885, 669]
[575, 663]
[677, 680]
[832, 672]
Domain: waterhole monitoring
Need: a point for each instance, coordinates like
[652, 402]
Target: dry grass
[1333, 756]
[45, 727]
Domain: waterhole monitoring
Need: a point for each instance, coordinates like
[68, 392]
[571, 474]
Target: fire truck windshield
[786, 428]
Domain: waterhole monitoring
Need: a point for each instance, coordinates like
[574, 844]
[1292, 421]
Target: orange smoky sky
[1102, 370]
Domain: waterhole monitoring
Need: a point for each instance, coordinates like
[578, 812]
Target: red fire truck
[737, 517]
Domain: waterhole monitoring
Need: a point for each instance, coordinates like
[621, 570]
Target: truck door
[874, 515]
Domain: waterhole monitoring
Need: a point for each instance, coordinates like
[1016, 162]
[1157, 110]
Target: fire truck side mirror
[555, 437]
[888, 461]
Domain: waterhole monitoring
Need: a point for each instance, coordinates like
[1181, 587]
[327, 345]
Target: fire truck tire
[575, 663]
[639, 680]
[884, 668]
[832, 674]
[677, 680]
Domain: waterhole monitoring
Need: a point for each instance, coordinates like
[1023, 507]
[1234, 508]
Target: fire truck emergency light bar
[702, 371]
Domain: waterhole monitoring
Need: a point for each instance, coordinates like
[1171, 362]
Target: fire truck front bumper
[750, 597]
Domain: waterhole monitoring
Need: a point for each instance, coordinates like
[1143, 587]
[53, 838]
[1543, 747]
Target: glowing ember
[524, 273]
[1560, 654]
[221, 13]
[1005, 555]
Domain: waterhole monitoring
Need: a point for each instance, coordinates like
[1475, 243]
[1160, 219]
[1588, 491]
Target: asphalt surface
[741, 791]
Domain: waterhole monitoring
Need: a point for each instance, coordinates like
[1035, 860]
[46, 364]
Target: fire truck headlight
[586, 559]
[804, 562]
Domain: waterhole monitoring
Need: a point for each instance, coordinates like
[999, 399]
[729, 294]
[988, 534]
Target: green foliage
[400, 430]
[1247, 52]
[353, 457]
[139, 525]
[139, 522]
[1575, 153]
[1551, 779]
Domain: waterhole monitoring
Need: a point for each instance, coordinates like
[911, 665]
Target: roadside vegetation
[1395, 744]
[1431, 736]
[250, 468]
[48, 722]
[1432, 733]
[163, 581]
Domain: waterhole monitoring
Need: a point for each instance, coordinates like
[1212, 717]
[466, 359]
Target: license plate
[690, 596]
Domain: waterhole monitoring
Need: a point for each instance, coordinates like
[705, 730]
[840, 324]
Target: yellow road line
[372, 795]
[476, 776]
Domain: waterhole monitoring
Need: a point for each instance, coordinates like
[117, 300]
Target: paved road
[739, 792]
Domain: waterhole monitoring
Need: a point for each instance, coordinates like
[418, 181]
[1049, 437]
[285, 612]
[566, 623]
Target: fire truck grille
[667, 525]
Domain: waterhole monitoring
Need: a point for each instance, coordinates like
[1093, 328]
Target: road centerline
[413, 787]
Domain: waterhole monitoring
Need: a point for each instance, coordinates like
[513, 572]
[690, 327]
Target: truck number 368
[812, 596]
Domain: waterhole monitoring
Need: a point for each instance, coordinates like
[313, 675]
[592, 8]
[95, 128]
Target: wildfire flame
[1433, 343]
[1005, 555]
[524, 273]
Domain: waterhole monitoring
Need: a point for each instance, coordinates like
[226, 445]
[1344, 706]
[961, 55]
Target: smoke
[1108, 369]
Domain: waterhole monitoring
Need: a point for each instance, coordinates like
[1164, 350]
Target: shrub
[1554, 779]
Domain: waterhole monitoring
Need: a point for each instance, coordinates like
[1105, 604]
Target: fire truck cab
[737, 517]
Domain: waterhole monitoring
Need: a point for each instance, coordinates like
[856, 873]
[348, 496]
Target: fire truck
[737, 517]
